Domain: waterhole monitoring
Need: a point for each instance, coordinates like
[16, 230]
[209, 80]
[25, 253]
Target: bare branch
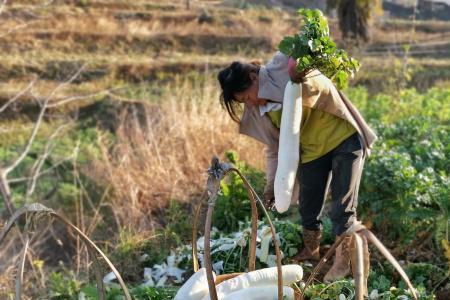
[32, 182]
[121, 98]
[20, 94]
[74, 98]
[6, 193]
[40, 162]
[46, 171]
[97, 217]
[63, 84]
[21, 267]
[38, 122]
[7, 170]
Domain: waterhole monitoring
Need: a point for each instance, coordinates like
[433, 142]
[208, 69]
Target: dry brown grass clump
[163, 152]
[6, 282]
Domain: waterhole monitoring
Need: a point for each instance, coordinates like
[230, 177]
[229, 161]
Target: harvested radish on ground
[260, 293]
[258, 278]
[289, 145]
[195, 288]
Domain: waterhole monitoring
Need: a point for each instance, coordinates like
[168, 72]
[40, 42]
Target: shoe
[311, 244]
[341, 263]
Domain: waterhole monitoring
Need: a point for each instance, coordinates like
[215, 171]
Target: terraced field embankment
[140, 43]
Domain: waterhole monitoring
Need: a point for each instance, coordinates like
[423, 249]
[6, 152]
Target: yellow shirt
[320, 132]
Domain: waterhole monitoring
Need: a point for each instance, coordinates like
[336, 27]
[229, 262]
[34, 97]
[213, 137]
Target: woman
[334, 138]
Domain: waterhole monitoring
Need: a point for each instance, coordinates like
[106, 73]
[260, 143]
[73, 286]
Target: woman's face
[250, 95]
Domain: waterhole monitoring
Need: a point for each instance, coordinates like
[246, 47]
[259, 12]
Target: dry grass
[7, 282]
[147, 21]
[139, 41]
[10, 252]
[162, 149]
[7, 271]
[163, 152]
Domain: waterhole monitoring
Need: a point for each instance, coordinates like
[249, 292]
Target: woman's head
[240, 84]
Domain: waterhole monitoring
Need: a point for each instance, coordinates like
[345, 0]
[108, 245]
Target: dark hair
[234, 79]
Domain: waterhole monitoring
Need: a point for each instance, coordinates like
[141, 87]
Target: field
[121, 101]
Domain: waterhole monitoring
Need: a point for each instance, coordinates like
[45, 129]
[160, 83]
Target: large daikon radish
[289, 146]
[260, 293]
[258, 278]
[195, 288]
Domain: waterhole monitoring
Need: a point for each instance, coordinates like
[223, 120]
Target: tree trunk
[353, 19]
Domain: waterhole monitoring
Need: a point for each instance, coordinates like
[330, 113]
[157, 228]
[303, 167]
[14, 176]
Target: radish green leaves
[313, 48]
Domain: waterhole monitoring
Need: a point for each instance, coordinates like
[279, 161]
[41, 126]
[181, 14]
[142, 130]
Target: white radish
[258, 278]
[260, 293]
[195, 288]
[289, 146]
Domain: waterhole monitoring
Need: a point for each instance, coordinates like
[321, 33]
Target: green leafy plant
[136, 250]
[380, 287]
[63, 285]
[331, 291]
[314, 49]
[424, 275]
[178, 228]
[89, 292]
[405, 184]
[233, 204]
[384, 283]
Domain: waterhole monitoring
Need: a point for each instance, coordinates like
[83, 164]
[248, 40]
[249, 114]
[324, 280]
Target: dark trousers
[345, 163]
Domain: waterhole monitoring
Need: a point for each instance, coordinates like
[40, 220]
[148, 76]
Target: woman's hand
[269, 198]
[295, 76]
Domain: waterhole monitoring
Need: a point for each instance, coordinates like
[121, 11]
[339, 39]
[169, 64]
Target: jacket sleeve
[274, 77]
[271, 167]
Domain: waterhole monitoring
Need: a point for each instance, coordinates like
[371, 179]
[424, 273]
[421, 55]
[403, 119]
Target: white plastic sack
[260, 293]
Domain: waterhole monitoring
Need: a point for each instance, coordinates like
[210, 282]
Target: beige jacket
[317, 92]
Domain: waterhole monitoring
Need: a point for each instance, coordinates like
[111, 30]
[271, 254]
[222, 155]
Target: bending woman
[334, 139]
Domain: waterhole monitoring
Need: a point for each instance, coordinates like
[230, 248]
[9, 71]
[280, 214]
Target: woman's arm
[271, 169]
